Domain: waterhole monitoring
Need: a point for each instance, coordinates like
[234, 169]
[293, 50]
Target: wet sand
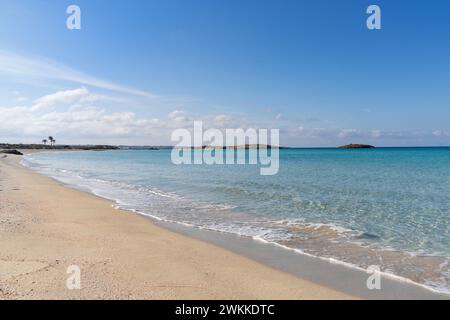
[45, 228]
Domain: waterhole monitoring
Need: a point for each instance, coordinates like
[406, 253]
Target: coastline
[46, 228]
[319, 278]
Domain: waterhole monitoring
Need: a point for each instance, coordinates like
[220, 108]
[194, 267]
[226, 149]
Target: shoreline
[46, 228]
[334, 275]
[331, 273]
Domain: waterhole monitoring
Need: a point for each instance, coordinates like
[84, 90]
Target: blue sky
[139, 69]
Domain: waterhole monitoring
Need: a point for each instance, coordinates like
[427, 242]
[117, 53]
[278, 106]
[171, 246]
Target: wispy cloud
[441, 133]
[67, 96]
[25, 67]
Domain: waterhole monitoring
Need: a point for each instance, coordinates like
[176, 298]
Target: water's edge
[328, 272]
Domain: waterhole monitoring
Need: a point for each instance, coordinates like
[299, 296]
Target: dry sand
[45, 228]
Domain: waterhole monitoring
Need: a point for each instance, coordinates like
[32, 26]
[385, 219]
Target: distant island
[246, 146]
[20, 146]
[356, 146]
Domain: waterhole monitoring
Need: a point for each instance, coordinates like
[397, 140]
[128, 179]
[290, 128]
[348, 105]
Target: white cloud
[78, 125]
[222, 121]
[334, 136]
[23, 67]
[80, 120]
[376, 133]
[73, 116]
[440, 133]
[346, 133]
[80, 116]
[177, 114]
[67, 96]
[222, 118]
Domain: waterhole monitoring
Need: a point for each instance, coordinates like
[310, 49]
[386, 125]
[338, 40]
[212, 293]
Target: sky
[137, 70]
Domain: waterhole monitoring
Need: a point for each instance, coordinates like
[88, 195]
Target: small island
[356, 146]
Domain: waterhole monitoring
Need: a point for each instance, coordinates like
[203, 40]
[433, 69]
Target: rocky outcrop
[12, 152]
[356, 146]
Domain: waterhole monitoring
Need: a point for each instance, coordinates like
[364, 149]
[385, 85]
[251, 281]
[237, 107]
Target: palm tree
[50, 138]
[44, 141]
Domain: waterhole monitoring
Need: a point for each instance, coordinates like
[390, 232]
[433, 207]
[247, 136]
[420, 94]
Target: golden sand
[45, 228]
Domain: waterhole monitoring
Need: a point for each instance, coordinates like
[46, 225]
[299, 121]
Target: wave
[284, 233]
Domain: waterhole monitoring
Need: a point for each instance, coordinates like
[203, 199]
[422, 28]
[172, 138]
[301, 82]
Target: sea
[384, 207]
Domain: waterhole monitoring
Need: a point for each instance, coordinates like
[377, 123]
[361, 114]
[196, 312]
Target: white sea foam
[136, 199]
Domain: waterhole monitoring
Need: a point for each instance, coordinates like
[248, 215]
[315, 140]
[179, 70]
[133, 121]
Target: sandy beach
[45, 228]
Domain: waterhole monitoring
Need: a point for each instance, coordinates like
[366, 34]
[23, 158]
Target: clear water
[387, 207]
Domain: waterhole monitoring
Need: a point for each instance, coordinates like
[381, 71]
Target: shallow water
[388, 207]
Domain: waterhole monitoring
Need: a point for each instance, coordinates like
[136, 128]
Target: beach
[228, 151]
[46, 228]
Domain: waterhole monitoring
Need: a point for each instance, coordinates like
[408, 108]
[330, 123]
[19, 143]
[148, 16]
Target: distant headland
[24, 146]
[21, 146]
[246, 146]
[356, 146]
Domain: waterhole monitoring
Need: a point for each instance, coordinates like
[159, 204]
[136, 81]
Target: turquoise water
[388, 207]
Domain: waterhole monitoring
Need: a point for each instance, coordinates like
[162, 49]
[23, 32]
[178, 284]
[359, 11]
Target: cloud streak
[41, 68]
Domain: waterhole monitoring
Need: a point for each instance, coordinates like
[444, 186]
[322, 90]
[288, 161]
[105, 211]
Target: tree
[50, 138]
[44, 141]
